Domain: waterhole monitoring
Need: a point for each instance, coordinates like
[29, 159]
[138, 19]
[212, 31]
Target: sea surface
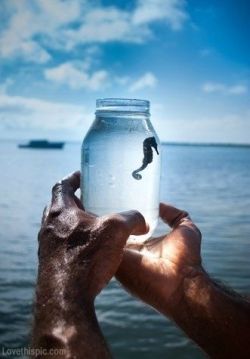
[211, 182]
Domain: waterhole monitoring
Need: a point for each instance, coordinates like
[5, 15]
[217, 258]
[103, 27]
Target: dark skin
[78, 255]
[167, 274]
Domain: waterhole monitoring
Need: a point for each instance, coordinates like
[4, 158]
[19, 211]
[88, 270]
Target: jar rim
[122, 105]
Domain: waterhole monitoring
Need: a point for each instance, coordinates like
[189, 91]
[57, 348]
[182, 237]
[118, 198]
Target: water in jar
[112, 152]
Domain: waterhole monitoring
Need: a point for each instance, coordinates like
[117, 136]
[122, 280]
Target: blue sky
[189, 58]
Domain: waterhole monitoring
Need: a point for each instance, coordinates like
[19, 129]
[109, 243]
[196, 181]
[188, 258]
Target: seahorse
[148, 155]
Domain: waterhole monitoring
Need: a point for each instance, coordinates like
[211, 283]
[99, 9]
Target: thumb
[172, 215]
[119, 226]
[134, 222]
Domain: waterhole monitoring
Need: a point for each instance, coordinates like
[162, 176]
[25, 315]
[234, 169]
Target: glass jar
[120, 163]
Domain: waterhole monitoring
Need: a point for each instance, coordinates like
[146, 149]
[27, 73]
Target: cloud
[76, 77]
[122, 80]
[214, 87]
[17, 112]
[105, 24]
[206, 126]
[171, 11]
[31, 51]
[101, 25]
[35, 27]
[5, 86]
[30, 19]
[146, 80]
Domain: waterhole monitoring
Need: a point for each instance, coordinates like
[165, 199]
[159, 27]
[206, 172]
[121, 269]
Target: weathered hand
[78, 255]
[167, 274]
[156, 270]
[79, 248]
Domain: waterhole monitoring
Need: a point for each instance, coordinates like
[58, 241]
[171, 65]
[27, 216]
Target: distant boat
[43, 144]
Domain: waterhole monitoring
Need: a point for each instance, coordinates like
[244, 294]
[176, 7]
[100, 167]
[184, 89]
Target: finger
[172, 215]
[134, 222]
[78, 202]
[45, 214]
[63, 191]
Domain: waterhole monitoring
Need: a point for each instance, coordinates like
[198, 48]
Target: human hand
[80, 250]
[158, 270]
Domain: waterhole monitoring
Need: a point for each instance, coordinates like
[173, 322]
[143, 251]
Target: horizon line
[169, 143]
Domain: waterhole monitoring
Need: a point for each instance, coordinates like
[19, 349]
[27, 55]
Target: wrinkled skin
[91, 246]
[167, 274]
[78, 255]
[155, 271]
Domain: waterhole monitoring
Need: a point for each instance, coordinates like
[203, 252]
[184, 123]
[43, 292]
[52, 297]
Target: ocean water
[212, 183]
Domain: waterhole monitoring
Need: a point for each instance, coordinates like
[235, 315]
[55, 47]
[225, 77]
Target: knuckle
[185, 214]
[60, 222]
[57, 186]
[137, 215]
[116, 221]
[114, 224]
[65, 182]
[196, 229]
[180, 218]
[64, 214]
[54, 212]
